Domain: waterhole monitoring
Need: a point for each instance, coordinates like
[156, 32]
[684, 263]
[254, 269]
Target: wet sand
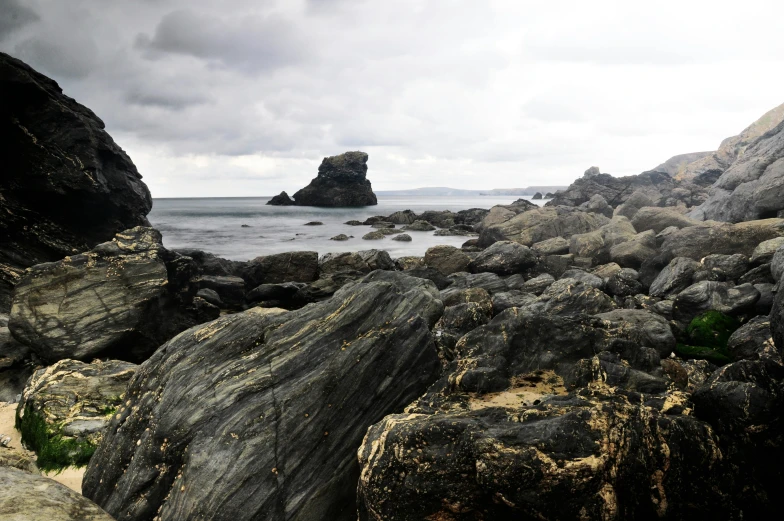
[71, 477]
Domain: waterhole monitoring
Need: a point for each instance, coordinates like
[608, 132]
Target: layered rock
[537, 225]
[259, 416]
[120, 297]
[66, 185]
[341, 181]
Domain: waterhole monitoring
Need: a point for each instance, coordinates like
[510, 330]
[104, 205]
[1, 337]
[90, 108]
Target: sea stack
[341, 181]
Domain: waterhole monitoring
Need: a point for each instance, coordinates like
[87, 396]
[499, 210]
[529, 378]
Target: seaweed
[55, 451]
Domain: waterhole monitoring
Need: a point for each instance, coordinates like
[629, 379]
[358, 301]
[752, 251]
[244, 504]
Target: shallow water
[215, 225]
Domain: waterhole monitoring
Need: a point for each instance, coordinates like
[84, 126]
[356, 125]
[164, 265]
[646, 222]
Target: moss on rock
[55, 451]
[706, 337]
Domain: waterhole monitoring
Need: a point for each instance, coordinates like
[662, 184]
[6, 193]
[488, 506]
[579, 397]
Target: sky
[244, 98]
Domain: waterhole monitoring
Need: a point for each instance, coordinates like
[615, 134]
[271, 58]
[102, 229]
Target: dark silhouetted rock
[295, 266]
[404, 217]
[419, 226]
[374, 236]
[340, 182]
[537, 196]
[274, 404]
[282, 199]
[66, 185]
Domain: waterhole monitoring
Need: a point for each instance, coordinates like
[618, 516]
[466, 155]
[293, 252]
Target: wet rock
[503, 258]
[512, 299]
[339, 237]
[23, 493]
[282, 199]
[363, 261]
[66, 185]
[295, 266]
[115, 298]
[446, 259]
[419, 226]
[554, 246]
[274, 404]
[754, 341]
[341, 182]
[64, 408]
[231, 290]
[374, 236]
[624, 283]
[673, 279]
[718, 296]
[568, 297]
[404, 237]
[585, 278]
[764, 252]
[537, 285]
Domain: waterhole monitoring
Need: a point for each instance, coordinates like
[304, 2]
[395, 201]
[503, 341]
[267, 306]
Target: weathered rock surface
[447, 259]
[718, 296]
[66, 185]
[294, 266]
[24, 496]
[341, 181]
[259, 416]
[363, 261]
[658, 219]
[404, 237]
[18, 459]
[419, 226]
[538, 224]
[503, 258]
[16, 364]
[75, 401]
[116, 298]
[673, 279]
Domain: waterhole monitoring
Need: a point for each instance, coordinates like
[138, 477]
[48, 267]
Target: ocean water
[215, 225]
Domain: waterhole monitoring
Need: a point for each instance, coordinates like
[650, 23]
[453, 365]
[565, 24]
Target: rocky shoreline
[611, 355]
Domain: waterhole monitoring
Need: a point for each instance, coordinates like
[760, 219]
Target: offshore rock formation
[259, 415]
[66, 185]
[341, 181]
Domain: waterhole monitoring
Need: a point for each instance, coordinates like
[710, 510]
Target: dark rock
[402, 237]
[490, 282]
[231, 290]
[295, 266]
[372, 220]
[616, 190]
[598, 204]
[363, 261]
[419, 226]
[116, 298]
[718, 296]
[723, 267]
[630, 207]
[765, 303]
[765, 250]
[353, 223]
[537, 285]
[446, 259]
[431, 274]
[537, 196]
[754, 341]
[759, 275]
[374, 236]
[314, 223]
[568, 297]
[382, 224]
[389, 231]
[407, 263]
[464, 296]
[597, 245]
[624, 283]
[203, 311]
[584, 277]
[211, 296]
[245, 226]
[454, 232]
[282, 199]
[339, 237]
[277, 292]
[635, 251]
[24, 495]
[674, 278]
[503, 258]
[511, 299]
[66, 185]
[441, 219]
[16, 365]
[404, 217]
[274, 404]
[340, 182]
[209, 264]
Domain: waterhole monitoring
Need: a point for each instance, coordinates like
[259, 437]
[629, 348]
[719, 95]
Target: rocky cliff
[66, 185]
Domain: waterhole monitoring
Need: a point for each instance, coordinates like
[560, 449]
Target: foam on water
[215, 225]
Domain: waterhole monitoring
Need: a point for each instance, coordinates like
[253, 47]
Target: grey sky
[243, 97]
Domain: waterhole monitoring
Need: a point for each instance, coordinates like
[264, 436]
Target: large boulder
[658, 219]
[718, 296]
[538, 224]
[363, 261]
[294, 266]
[259, 415]
[341, 181]
[503, 258]
[66, 185]
[695, 242]
[753, 187]
[116, 298]
[447, 259]
[674, 278]
[24, 495]
[615, 190]
[64, 408]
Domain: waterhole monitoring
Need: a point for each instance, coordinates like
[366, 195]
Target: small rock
[402, 237]
[341, 237]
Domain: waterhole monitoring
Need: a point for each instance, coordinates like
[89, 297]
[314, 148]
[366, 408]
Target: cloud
[14, 17]
[75, 60]
[251, 43]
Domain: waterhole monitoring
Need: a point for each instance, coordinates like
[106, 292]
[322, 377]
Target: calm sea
[215, 225]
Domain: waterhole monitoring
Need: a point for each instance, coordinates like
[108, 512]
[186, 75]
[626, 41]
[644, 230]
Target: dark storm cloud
[74, 60]
[250, 43]
[166, 100]
[14, 16]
